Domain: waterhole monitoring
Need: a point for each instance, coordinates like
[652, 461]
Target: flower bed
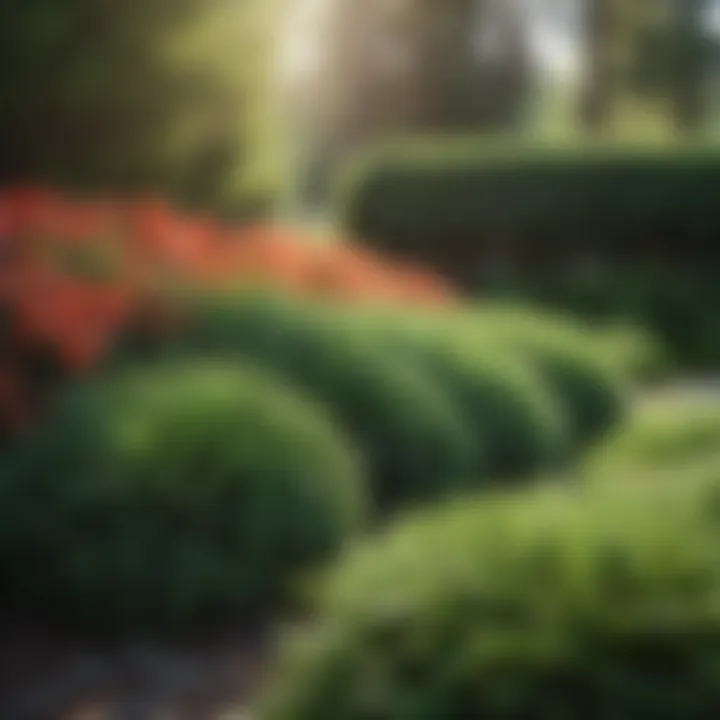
[75, 274]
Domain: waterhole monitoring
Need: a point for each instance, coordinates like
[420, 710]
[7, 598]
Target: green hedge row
[584, 375]
[505, 399]
[547, 605]
[473, 210]
[432, 400]
[589, 382]
[184, 483]
[413, 436]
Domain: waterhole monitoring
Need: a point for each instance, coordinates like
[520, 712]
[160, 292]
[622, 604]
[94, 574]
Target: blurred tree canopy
[160, 95]
[657, 50]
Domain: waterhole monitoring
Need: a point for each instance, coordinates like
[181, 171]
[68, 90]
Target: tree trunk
[690, 66]
[597, 92]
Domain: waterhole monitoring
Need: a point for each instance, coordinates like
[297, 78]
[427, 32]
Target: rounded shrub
[173, 494]
[520, 420]
[540, 607]
[592, 388]
[506, 402]
[416, 440]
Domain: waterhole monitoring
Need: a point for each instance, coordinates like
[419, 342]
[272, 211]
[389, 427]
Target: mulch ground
[48, 675]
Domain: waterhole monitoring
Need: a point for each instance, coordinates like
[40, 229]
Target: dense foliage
[104, 521]
[168, 95]
[518, 420]
[77, 275]
[538, 607]
[675, 301]
[506, 403]
[476, 211]
[662, 435]
[591, 388]
[174, 494]
[416, 439]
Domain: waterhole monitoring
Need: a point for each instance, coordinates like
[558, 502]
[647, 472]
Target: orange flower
[156, 245]
[22, 210]
[81, 223]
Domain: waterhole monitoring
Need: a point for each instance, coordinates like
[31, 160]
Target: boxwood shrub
[588, 373]
[507, 403]
[546, 606]
[592, 388]
[174, 494]
[416, 439]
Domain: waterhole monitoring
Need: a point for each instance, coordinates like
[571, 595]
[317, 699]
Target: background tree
[596, 94]
[609, 34]
[142, 94]
[651, 66]
[655, 51]
[692, 55]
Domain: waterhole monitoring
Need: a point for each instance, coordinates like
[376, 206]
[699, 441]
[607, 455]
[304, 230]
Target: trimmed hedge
[414, 436]
[592, 388]
[473, 210]
[506, 402]
[588, 373]
[545, 606]
[174, 494]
